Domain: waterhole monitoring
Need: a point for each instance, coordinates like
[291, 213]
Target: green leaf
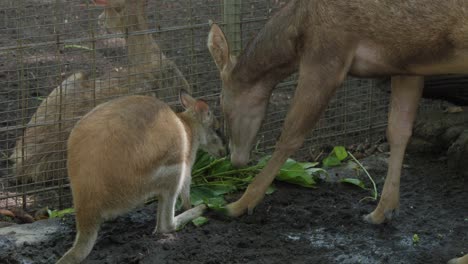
[293, 172]
[353, 181]
[221, 188]
[222, 167]
[199, 194]
[271, 189]
[340, 152]
[202, 160]
[416, 239]
[263, 161]
[60, 213]
[308, 165]
[215, 202]
[331, 161]
[199, 221]
[315, 171]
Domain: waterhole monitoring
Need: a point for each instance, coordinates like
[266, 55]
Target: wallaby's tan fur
[324, 41]
[129, 149]
[39, 155]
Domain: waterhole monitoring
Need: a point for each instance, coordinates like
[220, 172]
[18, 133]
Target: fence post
[232, 20]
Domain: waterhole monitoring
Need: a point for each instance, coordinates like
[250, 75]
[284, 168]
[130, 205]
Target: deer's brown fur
[39, 155]
[324, 41]
[129, 149]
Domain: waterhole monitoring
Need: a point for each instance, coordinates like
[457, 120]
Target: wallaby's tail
[84, 242]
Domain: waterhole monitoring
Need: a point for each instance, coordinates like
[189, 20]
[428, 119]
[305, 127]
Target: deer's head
[243, 101]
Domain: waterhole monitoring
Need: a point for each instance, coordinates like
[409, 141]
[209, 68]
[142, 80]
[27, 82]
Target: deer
[130, 149]
[39, 154]
[324, 41]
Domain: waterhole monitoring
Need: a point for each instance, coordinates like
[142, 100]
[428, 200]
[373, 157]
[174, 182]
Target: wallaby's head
[119, 15]
[204, 124]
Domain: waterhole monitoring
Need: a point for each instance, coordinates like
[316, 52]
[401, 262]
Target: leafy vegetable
[335, 158]
[199, 221]
[353, 181]
[60, 213]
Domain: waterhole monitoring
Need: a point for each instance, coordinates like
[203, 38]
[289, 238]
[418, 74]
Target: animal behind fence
[39, 154]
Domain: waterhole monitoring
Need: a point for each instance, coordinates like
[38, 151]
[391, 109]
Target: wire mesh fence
[61, 58]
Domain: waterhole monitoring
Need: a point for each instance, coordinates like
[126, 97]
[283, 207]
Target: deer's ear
[218, 46]
[186, 100]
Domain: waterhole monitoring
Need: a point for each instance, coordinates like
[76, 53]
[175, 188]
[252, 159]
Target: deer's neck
[273, 54]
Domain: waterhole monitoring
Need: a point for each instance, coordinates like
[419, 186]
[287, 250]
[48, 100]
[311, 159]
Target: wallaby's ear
[186, 100]
[203, 109]
[218, 46]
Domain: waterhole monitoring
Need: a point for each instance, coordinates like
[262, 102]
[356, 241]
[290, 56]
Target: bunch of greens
[213, 178]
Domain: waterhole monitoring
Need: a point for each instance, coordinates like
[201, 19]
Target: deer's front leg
[318, 81]
[462, 260]
[406, 93]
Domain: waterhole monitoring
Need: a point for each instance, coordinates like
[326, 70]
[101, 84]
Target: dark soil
[294, 224]
[299, 225]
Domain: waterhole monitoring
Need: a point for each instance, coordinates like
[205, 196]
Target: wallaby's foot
[181, 220]
[378, 216]
[462, 260]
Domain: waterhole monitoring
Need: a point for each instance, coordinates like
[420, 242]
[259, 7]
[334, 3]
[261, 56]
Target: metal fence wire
[61, 58]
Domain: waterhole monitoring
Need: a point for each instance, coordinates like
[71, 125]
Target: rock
[383, 148]
[32, 234]
[22, 217]
[420, 145]
[458, 153]
[6, 224]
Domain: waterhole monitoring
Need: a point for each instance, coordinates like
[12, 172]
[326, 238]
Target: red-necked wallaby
[39, 155]
[324, 41]
[129, 149]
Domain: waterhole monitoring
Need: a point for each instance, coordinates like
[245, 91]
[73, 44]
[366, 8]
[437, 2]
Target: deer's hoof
[377, 219]
[235, 209]
[391, 214]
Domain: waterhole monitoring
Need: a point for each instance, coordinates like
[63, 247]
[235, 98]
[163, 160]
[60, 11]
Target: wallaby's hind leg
[85, 238]
[185, 193]
[165, 216]
[406, 92]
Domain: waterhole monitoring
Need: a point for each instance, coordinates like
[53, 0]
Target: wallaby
[129, 149]
[39, 155]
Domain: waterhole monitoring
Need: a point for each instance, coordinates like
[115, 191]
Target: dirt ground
[296, 225]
